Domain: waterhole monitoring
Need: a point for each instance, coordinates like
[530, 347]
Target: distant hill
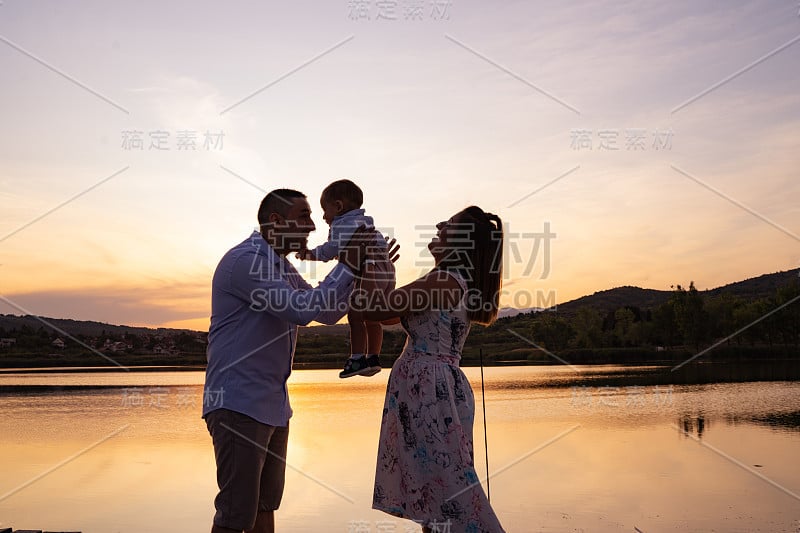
[513, 311]
[758, 287]
[97, 329]
[78, 327]
[612, 299]
[335, 330]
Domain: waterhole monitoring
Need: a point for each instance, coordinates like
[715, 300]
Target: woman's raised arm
[435, 290]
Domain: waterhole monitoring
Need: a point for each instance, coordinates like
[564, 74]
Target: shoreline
[95, 369]
[608, 377]
[387, 362]
[484, 352]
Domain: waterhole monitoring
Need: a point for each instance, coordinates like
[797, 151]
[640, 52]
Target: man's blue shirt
[257, 301]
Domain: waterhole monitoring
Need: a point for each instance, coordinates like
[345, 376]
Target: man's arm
[265, 290]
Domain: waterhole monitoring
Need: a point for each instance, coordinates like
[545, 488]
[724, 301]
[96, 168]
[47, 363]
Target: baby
[341, 205]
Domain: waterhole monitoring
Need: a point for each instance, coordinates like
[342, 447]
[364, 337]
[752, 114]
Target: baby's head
[340, 197]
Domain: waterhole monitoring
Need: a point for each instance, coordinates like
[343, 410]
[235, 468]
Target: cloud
[153, 305]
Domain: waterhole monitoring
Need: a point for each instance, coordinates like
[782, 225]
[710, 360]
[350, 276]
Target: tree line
[688, 319]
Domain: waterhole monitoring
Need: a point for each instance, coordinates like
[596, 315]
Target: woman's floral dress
[425, 469]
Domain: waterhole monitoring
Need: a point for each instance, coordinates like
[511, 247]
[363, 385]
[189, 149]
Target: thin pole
[485, 437]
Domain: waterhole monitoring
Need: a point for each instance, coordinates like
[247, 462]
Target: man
[257, 301]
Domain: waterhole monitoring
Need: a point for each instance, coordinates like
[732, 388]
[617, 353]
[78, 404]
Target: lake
[591, 448]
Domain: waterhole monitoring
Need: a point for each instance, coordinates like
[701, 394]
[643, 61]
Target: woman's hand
[394, 249]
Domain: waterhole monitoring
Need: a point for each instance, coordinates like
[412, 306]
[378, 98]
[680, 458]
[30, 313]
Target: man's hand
[306, 255]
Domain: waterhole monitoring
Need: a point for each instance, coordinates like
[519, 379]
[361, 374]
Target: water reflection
[622, 467]
[790, 421]
[694, 425]
[698, 424]
[697, 373]
[777, 420]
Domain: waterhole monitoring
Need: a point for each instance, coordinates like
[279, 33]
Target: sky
[623, 143]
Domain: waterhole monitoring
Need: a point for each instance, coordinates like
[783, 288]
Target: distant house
[7, 342]
[160, 349]
[58, 343]
[121, 347]
[118, 346]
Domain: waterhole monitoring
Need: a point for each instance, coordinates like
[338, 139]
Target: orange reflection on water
[627, 464]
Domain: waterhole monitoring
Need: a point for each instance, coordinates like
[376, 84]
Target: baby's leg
[358, 364]
[358, 334]
[374, 337]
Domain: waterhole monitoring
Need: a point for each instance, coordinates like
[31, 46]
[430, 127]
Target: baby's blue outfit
[342, 229]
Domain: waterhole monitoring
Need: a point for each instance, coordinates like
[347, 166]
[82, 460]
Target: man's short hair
[278, 201]
[345, 190]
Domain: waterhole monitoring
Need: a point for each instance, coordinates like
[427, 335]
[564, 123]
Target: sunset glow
[657, 140]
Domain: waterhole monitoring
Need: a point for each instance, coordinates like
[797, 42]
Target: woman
[425, 470]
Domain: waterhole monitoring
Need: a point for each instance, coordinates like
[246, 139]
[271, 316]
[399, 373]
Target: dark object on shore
[9, 530]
